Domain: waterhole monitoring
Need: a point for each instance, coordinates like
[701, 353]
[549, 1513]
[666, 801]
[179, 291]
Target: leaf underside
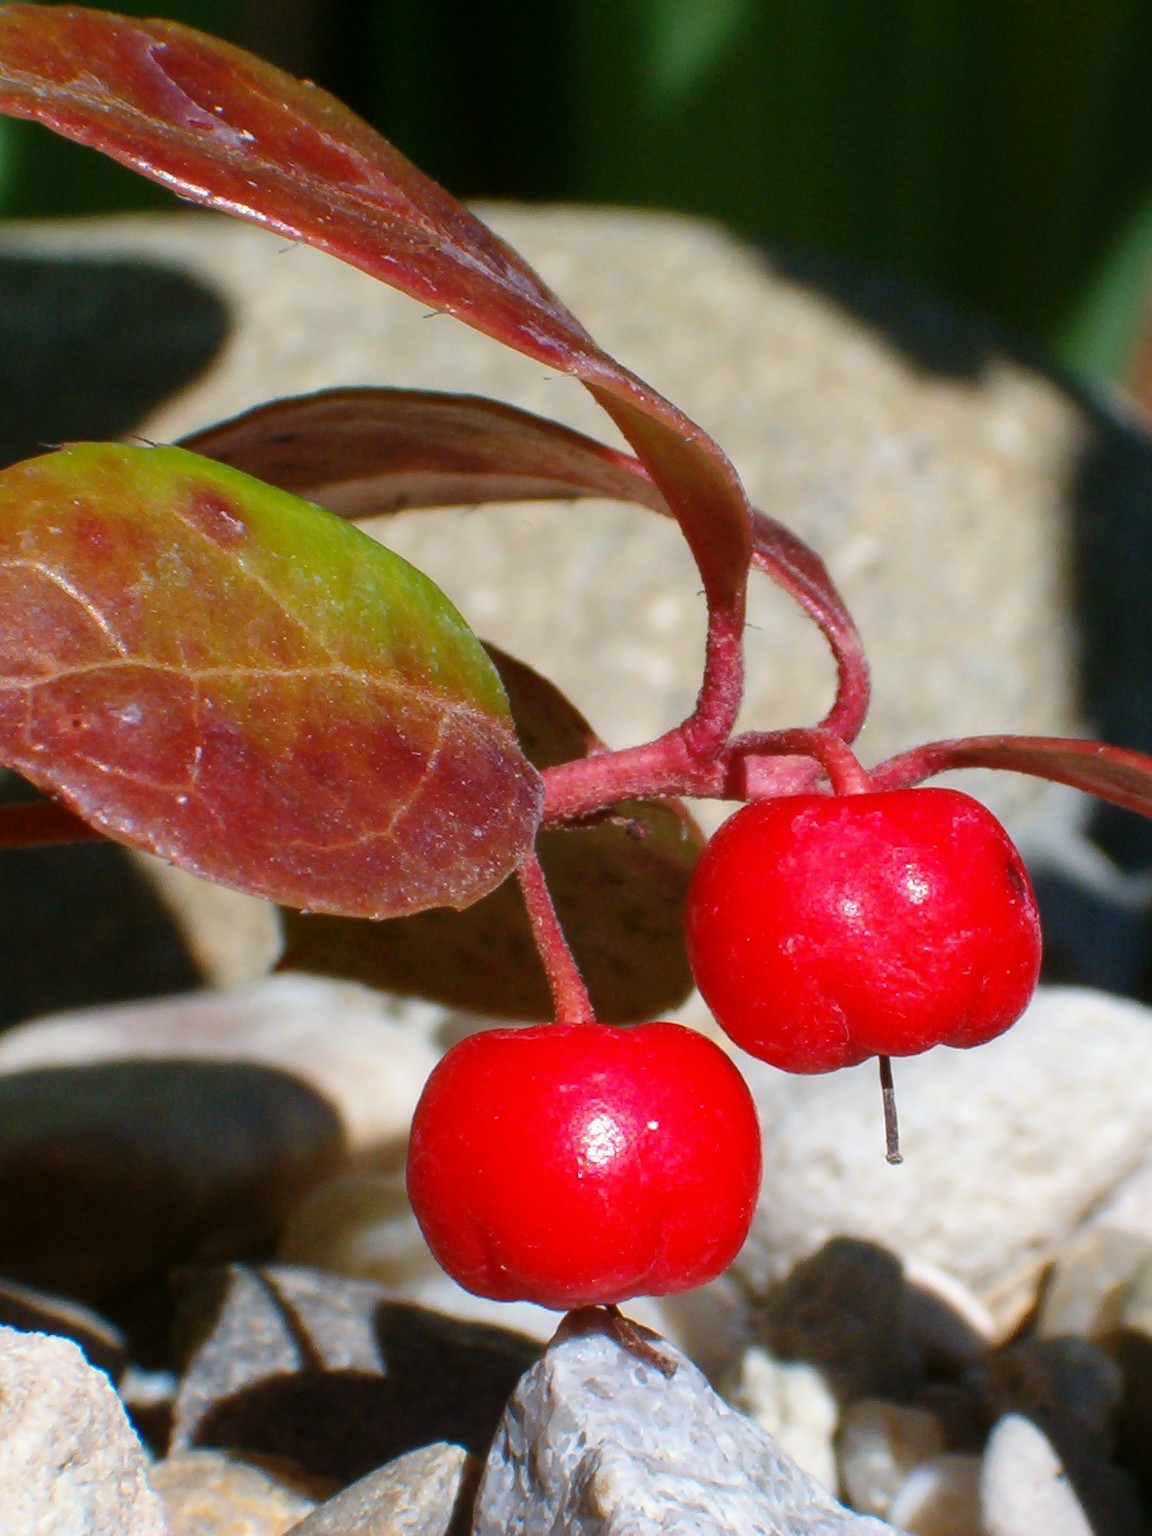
[203, 666]
[1116, 774]
[619, 888]
[365, 452]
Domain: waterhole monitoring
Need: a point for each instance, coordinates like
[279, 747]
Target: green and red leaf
[619, 887]
[204, 666]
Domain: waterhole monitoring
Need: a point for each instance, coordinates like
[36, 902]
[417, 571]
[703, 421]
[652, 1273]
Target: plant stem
[570, 999]
[707, 729]
[588, 785]
[834, 755]
[892, 1151]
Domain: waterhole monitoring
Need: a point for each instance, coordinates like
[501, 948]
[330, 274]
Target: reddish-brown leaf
[619, 888]
[228, 130]
[204, 666]
[364, 452]
[1111, 773]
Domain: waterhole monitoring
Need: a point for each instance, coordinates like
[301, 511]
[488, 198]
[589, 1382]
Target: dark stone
[845, 1310]
[110, 1174]
[81, 925]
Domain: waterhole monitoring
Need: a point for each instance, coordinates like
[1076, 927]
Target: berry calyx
[826, 929]
[579, 1164]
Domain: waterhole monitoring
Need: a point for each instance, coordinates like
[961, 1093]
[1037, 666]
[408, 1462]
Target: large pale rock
[1006, 1149]
[599, 1442]
[342, 1040]
[70, 1464]
[1027, 1487]
[939, 498]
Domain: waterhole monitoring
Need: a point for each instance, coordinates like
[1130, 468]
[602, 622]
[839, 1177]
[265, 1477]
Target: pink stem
[834, 755]
[713, 720]
[570, 998]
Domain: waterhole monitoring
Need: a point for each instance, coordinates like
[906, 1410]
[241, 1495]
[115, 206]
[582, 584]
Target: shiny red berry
[826, 929]
[574, 1164]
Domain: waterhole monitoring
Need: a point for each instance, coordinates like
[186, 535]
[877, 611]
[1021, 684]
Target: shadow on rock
[331, 1374]
[88, 349]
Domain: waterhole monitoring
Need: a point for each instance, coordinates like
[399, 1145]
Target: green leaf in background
[232, 678]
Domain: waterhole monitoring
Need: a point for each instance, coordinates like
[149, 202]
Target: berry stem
[570, 999]
[611, 1322]
[892, 1151]
[832, 752]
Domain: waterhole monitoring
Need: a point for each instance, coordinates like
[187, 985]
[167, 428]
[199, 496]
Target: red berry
[574, 1164]
[826, 929]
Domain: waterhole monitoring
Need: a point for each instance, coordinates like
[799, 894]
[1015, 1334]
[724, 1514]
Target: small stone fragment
[70, 1464]
[1024, 1488]
[845, 1311]
[942, 1498]
[879, 1445]
[333, 1374]
[207, 1493]
[790, 1401]
[424, 1493]
[598, 1441]
[1086, 1286]
[359, 1224]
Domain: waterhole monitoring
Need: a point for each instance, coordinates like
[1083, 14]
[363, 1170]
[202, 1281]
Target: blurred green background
[998, 152]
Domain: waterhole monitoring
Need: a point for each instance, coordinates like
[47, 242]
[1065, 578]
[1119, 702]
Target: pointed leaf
[619, 887]
[225, 129]
[364, 452]
[208, 668]
[1111, 773]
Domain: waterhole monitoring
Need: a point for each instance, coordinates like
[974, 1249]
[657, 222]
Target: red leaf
[619, 888]
[225, 129]
[208, 668]
[1112, 773]
[363, 452]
